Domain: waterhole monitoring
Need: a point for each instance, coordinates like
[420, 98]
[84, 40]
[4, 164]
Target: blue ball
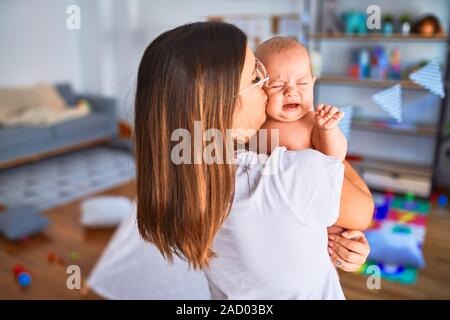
[24, 279]
[442, 200]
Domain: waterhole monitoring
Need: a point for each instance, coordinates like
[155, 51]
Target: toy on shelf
[378, 64]
[364, 64]
[405, 24]
[428, 26]
[22, 276]
[330, 23]
[355, 22]
[395, 71]
[375, 64]
[388, 24]
[316, 62]
[353, 69]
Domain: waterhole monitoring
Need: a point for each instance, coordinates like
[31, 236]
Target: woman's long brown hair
[187, 74]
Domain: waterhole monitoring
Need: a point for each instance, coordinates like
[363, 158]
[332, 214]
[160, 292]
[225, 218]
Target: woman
[255, 235]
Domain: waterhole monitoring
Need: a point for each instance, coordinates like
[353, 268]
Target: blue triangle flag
[430, 77]
[390, 100]
[346, 123]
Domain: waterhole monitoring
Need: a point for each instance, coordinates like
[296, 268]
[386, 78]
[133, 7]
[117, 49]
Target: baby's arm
[326, 136]
[290, 134]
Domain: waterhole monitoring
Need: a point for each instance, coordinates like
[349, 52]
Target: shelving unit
[389, 128]
[260, 27]
[378, 37]
[381, 173]
[344, 80]
[392, 166]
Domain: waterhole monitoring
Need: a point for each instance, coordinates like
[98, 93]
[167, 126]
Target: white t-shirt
[273, 244]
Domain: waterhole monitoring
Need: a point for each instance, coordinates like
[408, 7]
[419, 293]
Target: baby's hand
[327, 117]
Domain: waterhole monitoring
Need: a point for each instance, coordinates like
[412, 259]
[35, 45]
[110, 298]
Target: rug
[59, 180]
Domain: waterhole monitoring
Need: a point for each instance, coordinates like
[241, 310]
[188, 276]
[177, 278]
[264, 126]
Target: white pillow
[107, 211]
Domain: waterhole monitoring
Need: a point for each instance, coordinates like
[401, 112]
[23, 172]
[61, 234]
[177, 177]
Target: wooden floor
[65, 234]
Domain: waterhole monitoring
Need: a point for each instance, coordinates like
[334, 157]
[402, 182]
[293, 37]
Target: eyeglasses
[262, 74]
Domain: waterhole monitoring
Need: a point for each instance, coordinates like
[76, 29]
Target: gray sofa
[22, 142]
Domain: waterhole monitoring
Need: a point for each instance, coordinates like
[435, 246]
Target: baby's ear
[314, 79]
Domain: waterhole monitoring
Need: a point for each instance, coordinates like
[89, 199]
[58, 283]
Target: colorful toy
[22, 276]
[430, 77]
[316, 62]
[51, 257]
[409, 196]
[355, 22]
[395, 71]
[405, 24]
[375, 64]
[442, 201]
[379, 64]
[364, 64]
[61, 262]
[428, 26]
[396, 236]
[353, 69]
[396, 273]
[74, 256]
[388, 24]
[330, 23]
[390, 100]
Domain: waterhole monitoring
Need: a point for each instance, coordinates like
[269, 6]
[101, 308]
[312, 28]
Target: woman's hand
[348, 249]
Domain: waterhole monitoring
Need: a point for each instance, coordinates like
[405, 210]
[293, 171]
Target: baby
[290, 107]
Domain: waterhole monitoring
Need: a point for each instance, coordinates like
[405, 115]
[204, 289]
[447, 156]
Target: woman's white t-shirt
[273, 244]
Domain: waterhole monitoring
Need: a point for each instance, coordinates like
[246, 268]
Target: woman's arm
[357, 205]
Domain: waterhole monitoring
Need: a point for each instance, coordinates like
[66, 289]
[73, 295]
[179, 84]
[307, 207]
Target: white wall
[35, 44]
[119, 31]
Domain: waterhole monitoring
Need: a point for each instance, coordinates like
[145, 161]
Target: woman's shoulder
[281, 160]
[306, 157]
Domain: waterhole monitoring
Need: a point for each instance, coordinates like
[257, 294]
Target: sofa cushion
[16, 136]
[87, 126]
[41, 94]
[65, 90]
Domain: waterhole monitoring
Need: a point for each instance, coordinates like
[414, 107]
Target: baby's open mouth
[291, 106]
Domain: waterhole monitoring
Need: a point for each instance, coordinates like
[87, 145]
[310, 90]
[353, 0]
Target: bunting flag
[346, 122]
[430, 77]
[390, 100]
